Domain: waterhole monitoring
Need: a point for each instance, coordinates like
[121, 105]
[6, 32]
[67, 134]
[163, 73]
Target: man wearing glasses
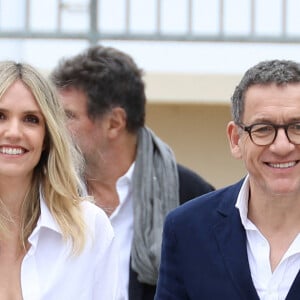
[243, 242]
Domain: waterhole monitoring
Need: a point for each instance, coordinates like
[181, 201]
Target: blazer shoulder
[219, 201]
[191, 184]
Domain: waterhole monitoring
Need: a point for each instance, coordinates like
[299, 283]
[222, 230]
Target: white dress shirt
[269, 285]
[122, 222]
[50, 272]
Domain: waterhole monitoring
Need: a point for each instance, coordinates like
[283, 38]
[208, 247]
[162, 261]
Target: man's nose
[281, 143]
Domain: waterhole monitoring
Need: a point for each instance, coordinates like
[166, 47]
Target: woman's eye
[32, 119]
[2, 116]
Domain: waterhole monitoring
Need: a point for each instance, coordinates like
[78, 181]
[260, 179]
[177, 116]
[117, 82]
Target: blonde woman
[53, 243]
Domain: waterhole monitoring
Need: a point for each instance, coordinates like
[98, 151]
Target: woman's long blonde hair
[59, 169]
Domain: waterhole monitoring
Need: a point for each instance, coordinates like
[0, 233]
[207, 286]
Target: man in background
[132, 173]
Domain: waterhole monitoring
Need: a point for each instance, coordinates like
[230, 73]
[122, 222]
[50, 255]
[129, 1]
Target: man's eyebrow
[69, 112]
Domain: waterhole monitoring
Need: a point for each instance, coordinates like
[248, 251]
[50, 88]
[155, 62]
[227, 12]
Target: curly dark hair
[109, 78]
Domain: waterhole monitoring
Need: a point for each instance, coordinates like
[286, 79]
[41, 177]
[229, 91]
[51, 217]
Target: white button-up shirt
[50, 272]
[122, 222]
[269, 285]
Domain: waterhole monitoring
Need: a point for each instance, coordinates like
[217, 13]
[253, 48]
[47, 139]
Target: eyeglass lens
[264, 134]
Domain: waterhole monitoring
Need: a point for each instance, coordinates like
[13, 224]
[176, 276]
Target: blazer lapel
[294, 292]
[231, 238]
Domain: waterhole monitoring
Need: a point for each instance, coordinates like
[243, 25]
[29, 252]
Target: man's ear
[233, 138]
[117, 121]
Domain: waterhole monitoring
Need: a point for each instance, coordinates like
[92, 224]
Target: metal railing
[93, 32]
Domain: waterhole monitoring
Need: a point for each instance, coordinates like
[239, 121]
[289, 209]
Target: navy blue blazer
[204, 254]
[191, 185]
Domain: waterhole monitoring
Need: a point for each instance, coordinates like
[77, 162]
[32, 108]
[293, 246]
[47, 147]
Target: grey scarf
[155, 192]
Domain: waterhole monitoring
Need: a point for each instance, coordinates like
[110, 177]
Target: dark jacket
[191, 185]
[204, 252]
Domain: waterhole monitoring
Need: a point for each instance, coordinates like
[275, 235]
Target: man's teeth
[283, 165]
[11, 151]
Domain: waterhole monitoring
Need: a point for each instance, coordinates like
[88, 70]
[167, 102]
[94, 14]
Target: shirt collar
[125, 180]
[46, 220]
[242, 204]
[128, 175]
[124, 189]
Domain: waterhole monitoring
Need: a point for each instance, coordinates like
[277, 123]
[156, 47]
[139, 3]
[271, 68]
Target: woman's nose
[13, 128]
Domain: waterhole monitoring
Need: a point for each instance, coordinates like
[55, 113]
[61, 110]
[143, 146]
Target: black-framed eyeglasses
[264, 134]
